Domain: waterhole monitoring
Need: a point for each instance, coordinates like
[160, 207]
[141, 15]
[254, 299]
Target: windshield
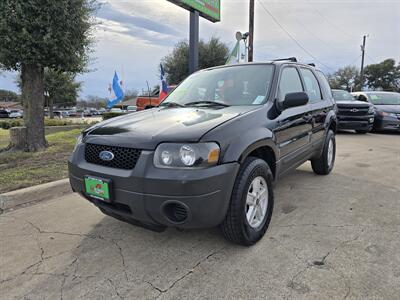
[385, 98]
[236, 85]
[340, 95]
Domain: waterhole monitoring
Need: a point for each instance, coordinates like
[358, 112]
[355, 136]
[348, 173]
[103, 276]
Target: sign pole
[194, 41]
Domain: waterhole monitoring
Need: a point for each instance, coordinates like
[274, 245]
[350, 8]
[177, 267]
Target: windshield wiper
[171, 104]
[207, 103]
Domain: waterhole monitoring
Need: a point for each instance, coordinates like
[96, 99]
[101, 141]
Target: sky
[132, 36]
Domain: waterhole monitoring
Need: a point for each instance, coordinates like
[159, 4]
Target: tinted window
[290, 82]
[324, 85]
[340, 95]
[312, 86]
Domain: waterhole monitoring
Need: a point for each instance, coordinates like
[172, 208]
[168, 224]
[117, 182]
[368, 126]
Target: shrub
[7, 124]
[109, 115]
[57, 122]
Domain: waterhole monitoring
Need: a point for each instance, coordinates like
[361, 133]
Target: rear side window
[290, 82]
[312, 86]
[324, 85]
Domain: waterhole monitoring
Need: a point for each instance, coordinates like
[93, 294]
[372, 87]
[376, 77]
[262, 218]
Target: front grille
[353, 111]
[124, 158]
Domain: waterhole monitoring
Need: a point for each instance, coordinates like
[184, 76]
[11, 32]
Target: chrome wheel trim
[257, 202]
[330, 153]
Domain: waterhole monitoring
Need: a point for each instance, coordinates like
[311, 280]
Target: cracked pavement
[333, 237]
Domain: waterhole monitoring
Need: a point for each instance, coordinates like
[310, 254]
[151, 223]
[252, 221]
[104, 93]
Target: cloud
[126, 23]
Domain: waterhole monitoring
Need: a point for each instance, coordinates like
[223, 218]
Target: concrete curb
[36, 193]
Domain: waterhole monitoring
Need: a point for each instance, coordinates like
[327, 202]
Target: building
[10, 105]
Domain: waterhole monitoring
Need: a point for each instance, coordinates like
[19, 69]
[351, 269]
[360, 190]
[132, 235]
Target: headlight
[371, 110]
[78, 141]
[201, 155]
[386, 114]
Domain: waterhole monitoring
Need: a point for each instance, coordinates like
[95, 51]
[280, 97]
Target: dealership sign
[208, 9]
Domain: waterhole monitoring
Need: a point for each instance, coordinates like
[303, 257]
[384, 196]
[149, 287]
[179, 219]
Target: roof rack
[312, 64]
[292, 59]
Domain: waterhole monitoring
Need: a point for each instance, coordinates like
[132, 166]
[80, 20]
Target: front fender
[331, 117]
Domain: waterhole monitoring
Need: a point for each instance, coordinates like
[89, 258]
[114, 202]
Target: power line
[292, 37]
[310, 31]
[343, 32]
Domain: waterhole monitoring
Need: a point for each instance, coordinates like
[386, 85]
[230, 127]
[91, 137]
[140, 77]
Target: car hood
[146, 129]
[351, 103]
[388, 108]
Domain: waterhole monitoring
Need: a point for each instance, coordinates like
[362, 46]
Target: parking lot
[332, 237]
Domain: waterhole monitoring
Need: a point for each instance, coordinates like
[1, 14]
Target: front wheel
[323, 165]
[251, 205]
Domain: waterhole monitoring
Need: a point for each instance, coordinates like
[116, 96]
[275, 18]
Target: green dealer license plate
[98, 188]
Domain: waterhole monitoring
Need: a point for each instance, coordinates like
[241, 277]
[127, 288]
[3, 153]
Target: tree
[9, 96]
[384, 76]
[93, 101]
[211, 53]
[130, 94]
[38, 34]
[346, 78]
[60, 88]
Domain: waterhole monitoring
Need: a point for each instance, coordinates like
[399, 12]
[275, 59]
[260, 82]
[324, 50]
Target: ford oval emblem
[106, 155]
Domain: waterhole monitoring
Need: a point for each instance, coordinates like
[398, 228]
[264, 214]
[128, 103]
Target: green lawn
[4, 138]
[21, 169]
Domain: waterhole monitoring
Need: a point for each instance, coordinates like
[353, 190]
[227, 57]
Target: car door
[294, 127]
[319, 102]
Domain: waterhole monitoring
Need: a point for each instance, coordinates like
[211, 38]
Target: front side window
[312, 86]
[290, 82]
[236, 85]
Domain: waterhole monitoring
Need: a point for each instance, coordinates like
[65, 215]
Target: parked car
[4, 113]
[131, 108]
[353, 114]
[72, 113]
[151, 100]
[15, 114]
[387, 109]
[209, 154]
[60, 114]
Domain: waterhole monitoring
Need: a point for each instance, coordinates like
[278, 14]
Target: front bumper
[145, 194]
[387, 123]
[356, 123]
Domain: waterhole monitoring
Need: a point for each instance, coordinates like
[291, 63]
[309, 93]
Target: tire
[362, 131]
[236, 226]
[323, 165]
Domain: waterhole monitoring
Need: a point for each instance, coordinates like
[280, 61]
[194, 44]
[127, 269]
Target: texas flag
[117, 94]
[163, 85]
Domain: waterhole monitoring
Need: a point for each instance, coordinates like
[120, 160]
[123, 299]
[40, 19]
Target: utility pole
[251, 30]
[362, 62]
[194, 42]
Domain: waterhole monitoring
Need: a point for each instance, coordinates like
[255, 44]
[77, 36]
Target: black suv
[353, 114]
[209, 154]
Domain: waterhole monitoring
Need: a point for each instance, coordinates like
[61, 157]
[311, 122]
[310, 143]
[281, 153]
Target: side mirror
[294, 99]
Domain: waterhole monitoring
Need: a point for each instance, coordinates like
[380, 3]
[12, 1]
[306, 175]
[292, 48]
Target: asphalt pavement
[331, 237]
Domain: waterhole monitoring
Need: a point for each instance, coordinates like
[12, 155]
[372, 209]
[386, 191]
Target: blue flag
[117, 94]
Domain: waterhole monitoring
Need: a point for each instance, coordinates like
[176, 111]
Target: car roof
[272, 62]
